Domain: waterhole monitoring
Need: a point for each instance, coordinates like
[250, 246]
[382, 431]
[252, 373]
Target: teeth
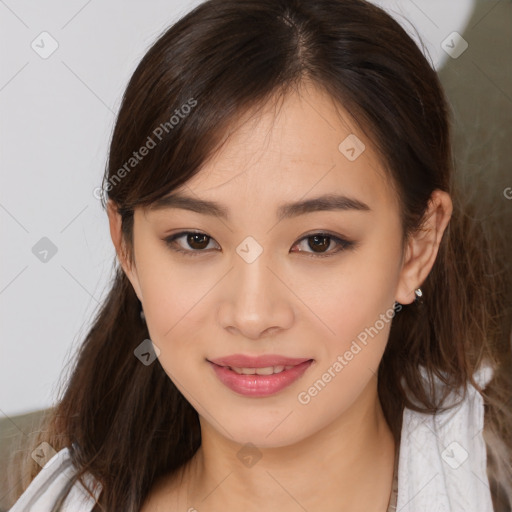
[269, 370]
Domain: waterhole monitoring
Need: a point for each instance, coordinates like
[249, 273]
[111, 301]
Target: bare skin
[330, 450]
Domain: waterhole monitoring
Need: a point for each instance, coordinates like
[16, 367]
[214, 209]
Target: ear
[422, 248]
[114, 219]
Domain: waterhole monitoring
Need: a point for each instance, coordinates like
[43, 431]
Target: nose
[256, 300]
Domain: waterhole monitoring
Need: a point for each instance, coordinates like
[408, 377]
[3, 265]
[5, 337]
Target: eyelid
[343, 243]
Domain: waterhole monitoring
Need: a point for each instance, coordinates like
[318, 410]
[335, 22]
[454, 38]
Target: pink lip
[258, 385]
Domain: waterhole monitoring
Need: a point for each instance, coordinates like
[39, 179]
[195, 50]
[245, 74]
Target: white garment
[442, 464]
[42, 492]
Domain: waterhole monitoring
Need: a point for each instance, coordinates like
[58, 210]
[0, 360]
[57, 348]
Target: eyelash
[343, 244]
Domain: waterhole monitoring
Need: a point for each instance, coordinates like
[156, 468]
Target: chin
[272, 433]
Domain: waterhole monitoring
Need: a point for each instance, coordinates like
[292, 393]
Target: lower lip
[259, 385]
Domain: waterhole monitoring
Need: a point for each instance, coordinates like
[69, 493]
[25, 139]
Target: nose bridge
[252, 275]
[255, 302]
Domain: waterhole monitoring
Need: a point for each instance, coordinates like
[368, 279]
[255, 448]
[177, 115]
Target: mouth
[267, 370]
[257, 377]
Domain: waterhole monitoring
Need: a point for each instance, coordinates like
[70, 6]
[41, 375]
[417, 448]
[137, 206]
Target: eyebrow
[326, 202]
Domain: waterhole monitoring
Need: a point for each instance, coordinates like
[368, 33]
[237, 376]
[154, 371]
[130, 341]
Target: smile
[259, 381]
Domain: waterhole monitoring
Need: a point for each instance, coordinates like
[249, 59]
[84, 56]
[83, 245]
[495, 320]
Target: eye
[319, 243]
[197, 240]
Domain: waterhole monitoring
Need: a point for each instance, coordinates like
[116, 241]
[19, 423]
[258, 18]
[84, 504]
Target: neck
[347, 466]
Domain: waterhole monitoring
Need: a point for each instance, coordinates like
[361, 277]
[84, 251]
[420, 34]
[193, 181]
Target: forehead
[302, 146]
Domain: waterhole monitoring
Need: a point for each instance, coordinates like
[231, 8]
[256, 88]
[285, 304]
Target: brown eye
[319, 244]
[198, 240]
[196, 243]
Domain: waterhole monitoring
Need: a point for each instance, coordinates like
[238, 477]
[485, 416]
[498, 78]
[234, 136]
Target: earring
[417, 299]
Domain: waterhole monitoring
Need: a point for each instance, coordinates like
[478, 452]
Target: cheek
[352, 297]
[357, 306]
[171, 292]
[178, 304]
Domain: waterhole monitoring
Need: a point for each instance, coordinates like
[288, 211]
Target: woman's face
[257, 285]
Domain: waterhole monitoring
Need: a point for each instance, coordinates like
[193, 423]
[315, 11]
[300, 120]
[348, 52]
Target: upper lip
[264, 361]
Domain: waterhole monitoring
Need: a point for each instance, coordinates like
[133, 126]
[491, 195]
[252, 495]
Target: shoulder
[46, 487]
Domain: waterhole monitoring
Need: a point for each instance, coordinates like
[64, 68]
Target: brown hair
[222, 59]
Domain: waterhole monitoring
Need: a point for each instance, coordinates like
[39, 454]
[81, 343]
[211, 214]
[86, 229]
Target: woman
[304, 315]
